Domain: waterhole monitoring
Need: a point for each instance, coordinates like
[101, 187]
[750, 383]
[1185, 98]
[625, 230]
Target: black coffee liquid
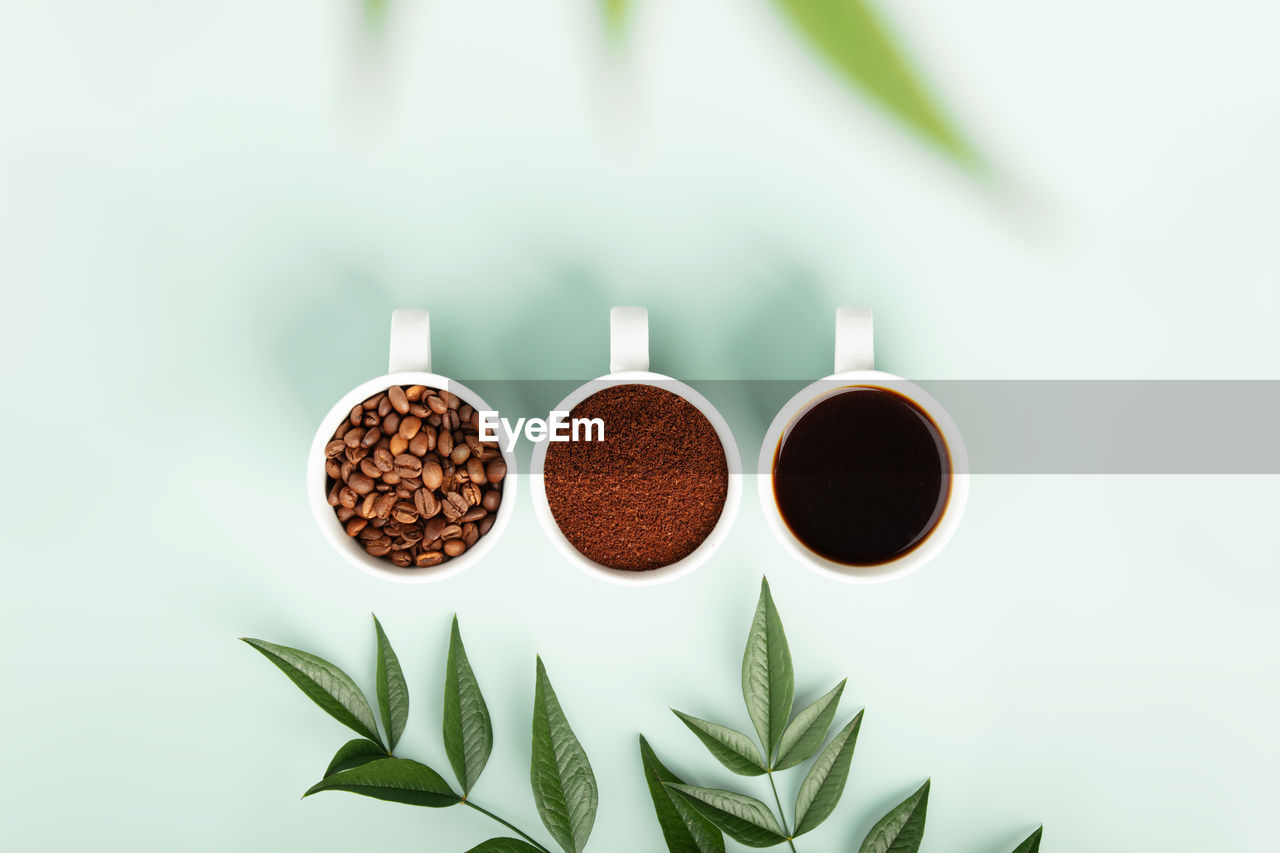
[863, 476]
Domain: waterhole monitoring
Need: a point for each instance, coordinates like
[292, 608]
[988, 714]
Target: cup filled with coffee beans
[657, 493]
[398, 478]
[864, 475]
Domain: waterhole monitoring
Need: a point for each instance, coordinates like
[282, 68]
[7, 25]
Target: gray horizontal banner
[1040, 427]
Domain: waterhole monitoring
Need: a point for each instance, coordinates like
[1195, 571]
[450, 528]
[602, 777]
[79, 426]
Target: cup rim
[934, 541]
[718, 534]
[333, 530]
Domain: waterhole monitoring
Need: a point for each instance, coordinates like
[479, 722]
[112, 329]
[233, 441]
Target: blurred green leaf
[375, 11]
[564, 788]
[853, 37]
[615, 14]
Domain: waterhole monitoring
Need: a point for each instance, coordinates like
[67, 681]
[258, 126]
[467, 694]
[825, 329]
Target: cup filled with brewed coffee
[651, 495]
[864, 475]
[400, 479]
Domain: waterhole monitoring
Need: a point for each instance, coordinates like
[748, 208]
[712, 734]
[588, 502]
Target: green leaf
[685, 830]
[615, 14]
[822, 788]
[1032, 844]
[504, 845]
[853, 38]
[398, 780]
[902, 829]
[325, 684]
[354, 753]
[808, 730]
[564, 788]
[468, 731]
[393, 692]
[768, 681]
[731, 748]
[746, 820]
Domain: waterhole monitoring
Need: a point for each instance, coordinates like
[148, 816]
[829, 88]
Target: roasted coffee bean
[428, 558]
[399, 400]
[383, 459]
[407, 465]
[485, 523]
[475, 470]
[474, 514]
[342, 429]
[450, 400]
[347, 497]
[372, 403]
[444, 443]
[344, 470]
[371, 437]
[384, 407]
[432, 418]
[335, 448]
[453, 506]
[423, 443]
[409, 427]
[356, 414]
[354, 436]
[465, 412]
[390, 424]
[345, 514]
[453, 531]
[405, 493]
[398, 444]
[432, 474]
[384, 505]
[384, 486]
[449, 420]
[431, 530]
[360, 483]
[454, 547]
[461, 453]
[393, 528]
[402, 559]
[424, 500]
[419, 410]
[414, 393]
[365, 509]
[370, 533]
[392, 478]
[369, 469]
[492, 500]
[378, 547]
[411, 533]
[370, 419]
[470, 533]
[495, 471]
[405, 513]
[333, 494]
[355, 525]
[437, 405]
[471, 493]
[355, 454]
[333, 469]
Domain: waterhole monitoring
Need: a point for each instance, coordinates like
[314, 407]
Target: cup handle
[628, 340]
[410, 341]
[854, 339]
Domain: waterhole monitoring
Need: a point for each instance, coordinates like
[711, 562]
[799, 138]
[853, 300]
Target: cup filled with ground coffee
[864, 475]
[398, 478]
[657, 493]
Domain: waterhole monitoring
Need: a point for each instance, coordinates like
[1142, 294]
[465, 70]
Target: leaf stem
[781, 815]
[490, 814]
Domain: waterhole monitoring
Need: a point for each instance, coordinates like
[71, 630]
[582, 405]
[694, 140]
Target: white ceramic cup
[855, 367]
[629, 364]
[410, 364]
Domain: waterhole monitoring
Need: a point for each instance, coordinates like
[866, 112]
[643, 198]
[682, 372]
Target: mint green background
[208, 210]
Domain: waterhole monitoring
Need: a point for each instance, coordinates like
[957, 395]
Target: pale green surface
[207, 211]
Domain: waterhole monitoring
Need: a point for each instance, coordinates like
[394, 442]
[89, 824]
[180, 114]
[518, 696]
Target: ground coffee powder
[651, 491]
